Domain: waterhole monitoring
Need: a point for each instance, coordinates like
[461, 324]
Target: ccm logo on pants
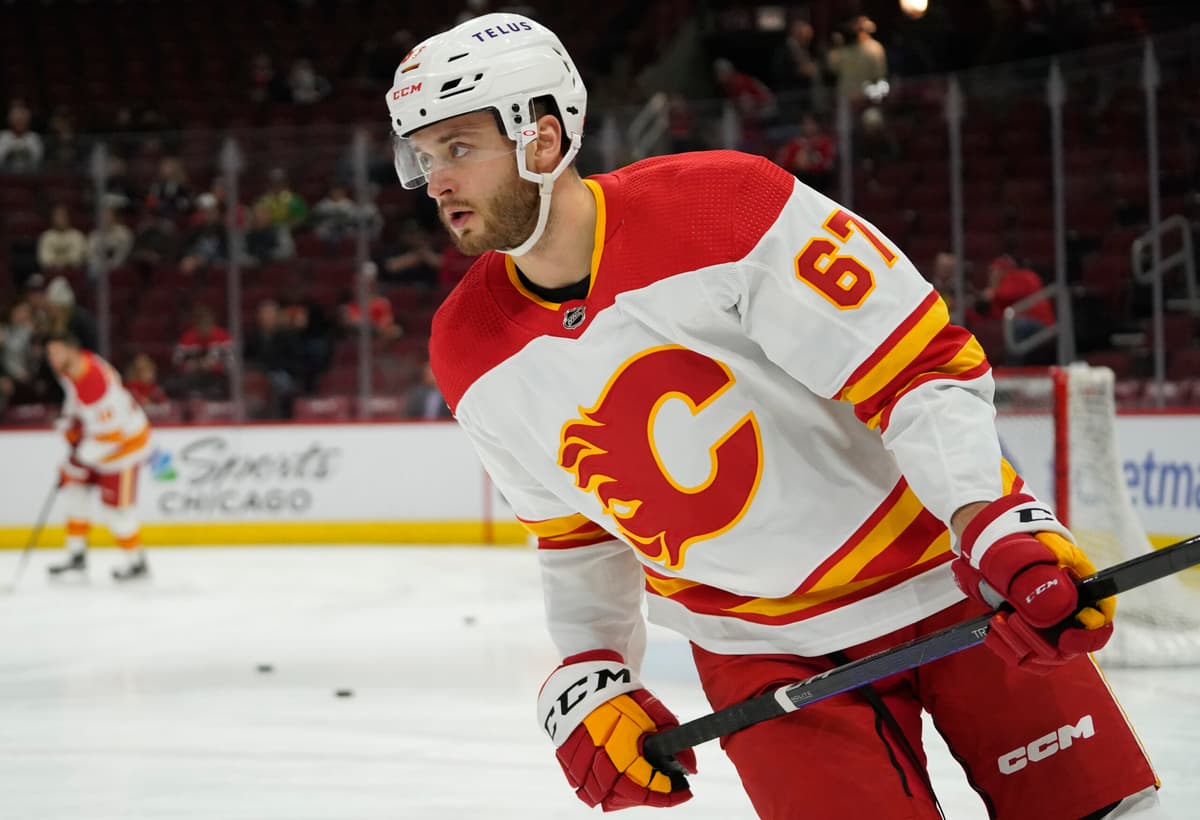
[1046, 745]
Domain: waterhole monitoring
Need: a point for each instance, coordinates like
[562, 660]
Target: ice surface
[145, 702]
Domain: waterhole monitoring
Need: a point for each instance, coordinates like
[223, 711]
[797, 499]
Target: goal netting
[1058, 429]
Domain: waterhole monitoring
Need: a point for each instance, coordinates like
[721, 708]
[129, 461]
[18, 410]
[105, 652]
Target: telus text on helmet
[502, 29]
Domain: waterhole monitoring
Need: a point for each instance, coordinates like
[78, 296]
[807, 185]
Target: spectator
[61, 245]
[170, 196]
[267, 240]
[109, 245]
[286, 206]
[305, 84]
[217, 190]
[207, 243]
[44, 386]
[379, 309]
[200, 358]
[415, 260]
[337, 216]
[119, 191]
[875, 144]
[65, 316]
[859, 64]
[35, 296]
[754, 103]
[18, 354]
[810, 155]
[796, 66]
[310, 321]
[1007, 285]
[277, 351]
[943, 280]
[424, 400]
[21, 150]
[62, 140]
[141, 380]
[265, 85]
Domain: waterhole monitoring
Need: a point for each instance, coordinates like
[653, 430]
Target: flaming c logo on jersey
[611, 451]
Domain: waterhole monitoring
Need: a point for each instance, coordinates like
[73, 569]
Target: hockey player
[699, 381]
[107, 433]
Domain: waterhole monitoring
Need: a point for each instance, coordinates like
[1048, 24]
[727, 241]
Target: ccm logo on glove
[1015, 552]
[596, 679]
[598, 715]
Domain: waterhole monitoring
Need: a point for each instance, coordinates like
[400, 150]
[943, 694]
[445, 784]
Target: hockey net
[1058, 429]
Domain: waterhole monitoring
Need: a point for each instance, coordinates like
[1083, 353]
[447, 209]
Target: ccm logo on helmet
[502, 29]
[1046, 746]
[404, 92]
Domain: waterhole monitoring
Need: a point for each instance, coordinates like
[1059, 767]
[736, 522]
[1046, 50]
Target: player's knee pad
[77, 500]
[122, 521]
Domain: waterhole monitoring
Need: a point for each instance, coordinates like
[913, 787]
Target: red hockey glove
[1015, 551]
[72, 430]
[595, 710]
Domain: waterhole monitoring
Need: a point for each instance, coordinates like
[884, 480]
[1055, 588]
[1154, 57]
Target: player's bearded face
[503, 219]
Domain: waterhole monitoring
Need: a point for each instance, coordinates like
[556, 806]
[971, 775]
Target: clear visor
[417, 159]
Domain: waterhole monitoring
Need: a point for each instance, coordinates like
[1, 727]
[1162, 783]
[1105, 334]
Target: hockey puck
[265, 668]
[469, 620]
[344, 693]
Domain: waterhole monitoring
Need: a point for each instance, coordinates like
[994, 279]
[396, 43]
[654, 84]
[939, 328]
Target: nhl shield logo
[574, 317]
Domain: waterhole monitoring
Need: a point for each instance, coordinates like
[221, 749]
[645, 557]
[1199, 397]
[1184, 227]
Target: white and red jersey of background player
[115, 430]
[760, 414]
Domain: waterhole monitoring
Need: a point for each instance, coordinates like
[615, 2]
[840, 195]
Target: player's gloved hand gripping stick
[598, 715]
[660, 748]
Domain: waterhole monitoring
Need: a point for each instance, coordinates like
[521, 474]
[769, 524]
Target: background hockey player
[107, 434]
[698, 380]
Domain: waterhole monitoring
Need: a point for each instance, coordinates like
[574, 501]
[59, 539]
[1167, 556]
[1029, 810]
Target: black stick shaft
[1116, 579]
[38, 526]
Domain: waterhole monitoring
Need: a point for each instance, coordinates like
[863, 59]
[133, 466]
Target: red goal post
[1058, 427]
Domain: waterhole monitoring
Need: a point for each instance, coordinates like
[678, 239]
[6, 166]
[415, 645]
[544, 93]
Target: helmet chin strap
[545, 189]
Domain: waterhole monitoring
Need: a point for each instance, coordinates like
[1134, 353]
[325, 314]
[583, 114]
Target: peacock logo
[161, 464]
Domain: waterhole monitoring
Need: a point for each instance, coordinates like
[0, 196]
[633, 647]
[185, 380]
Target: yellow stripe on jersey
[901, 355]
[880, 537]
[791, 604]
[1008, 476]
[129, 445]
[940, 545]
[555, 527]
[667, 587]
[969, 356]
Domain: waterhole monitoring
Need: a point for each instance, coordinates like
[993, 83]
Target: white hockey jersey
[760, 415]
[114, 429]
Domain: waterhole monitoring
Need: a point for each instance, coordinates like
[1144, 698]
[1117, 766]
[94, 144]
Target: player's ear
[549, 145]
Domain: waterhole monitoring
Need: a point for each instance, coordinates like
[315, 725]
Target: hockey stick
[660, 748]
[38, 526]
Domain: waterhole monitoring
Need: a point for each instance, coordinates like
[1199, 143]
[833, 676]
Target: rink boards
[422, 482]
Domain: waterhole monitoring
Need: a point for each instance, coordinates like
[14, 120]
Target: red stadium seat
[30, 415]
[210, 411]
[166, 412]
[325, 408]
[384, 407]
